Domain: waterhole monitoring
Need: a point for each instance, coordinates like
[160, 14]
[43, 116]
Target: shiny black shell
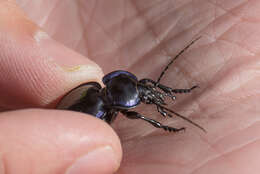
[121, 89]
[85, 98]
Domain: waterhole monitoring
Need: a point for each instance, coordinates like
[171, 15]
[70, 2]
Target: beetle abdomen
[85, 98]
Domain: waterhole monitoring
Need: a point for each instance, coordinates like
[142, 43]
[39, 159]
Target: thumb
[56, 142]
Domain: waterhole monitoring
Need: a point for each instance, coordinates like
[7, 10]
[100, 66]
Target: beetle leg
[163, 112]
[167, 89]
[180, 116]
[136, 115]
[184, 90]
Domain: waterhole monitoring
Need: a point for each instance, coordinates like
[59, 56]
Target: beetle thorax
[122, 91]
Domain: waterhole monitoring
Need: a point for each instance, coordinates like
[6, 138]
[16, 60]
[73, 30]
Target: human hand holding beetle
[37, 71]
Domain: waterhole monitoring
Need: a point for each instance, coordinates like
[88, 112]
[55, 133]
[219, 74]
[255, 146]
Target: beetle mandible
[122, 92]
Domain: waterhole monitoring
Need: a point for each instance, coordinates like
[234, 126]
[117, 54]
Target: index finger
[35, 69]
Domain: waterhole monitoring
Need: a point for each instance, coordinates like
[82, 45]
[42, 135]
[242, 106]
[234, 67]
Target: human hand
[139, 38]
[35, 72]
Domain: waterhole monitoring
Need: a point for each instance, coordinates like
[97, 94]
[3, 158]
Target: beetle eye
[76, 94]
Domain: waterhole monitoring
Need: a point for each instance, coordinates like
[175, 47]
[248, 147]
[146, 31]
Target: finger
[35, 69]
[52, 142]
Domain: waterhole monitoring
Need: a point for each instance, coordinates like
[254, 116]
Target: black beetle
[122, 92]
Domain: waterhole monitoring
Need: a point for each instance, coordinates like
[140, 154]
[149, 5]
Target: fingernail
[99, 161]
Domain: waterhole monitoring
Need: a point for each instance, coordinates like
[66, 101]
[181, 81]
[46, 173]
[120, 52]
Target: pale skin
[96, 37]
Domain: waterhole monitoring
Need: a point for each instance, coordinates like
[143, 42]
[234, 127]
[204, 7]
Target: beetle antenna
[178, 55]
[184, 118]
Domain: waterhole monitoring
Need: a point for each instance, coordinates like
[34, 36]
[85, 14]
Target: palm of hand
[139, 37]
